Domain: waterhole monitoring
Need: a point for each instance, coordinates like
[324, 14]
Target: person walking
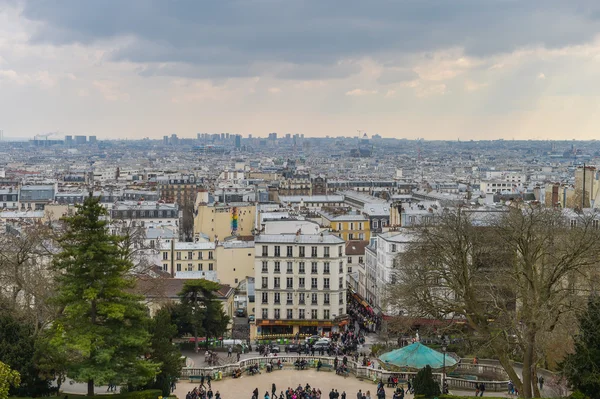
[238, 356]
[229, 351]
[217, 395]
[273, 390]
[541, 382]
[267, 395]
[343, 395]
[359, 394]
[255, 393]
[481, 389]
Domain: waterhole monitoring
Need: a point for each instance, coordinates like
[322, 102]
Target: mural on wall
[234, 221]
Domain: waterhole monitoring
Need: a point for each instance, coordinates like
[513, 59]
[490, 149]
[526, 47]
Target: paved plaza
[241, 388]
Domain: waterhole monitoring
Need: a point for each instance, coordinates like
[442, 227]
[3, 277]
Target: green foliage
[17, 350]
[103, 327]
[8, 378]
[578, 395]
[582, 368]
[200, 312]
[164, 352]
[424, 384]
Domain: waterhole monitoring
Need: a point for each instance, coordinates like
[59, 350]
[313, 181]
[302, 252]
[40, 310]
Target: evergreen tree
[164, 351]
[103, 327]
[424, 384]
[201, 311]
[582, 367]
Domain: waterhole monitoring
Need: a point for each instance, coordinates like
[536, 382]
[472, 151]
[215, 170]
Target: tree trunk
[534, 382]
[528, 363]
[195, 340]
[90, 384]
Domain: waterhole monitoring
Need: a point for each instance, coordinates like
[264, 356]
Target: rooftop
[298, 239]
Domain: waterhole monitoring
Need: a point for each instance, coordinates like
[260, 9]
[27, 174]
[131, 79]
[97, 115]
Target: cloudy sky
[437, 69]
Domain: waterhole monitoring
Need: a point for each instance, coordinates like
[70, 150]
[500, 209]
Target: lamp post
[444, 369]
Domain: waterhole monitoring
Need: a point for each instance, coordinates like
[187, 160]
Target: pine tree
[582, 368]
[424, 384]
[164, 351]
[103, 327]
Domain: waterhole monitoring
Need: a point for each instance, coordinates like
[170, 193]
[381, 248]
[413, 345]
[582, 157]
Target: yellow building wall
[344, 229]
[234, 264]
[216, 220]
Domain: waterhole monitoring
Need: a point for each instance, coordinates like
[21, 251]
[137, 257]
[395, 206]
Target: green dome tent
[416, 356]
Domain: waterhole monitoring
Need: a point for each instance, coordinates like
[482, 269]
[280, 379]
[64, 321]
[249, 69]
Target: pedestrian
[229, 352]
[238, 356]
[273, 389]
[217, 395]
[267, 395]
[359, 394]
[541, 381]
[481, 389]
[255, 393]
[208, 379]
[202, 380]
[343, 395]
[209, 394]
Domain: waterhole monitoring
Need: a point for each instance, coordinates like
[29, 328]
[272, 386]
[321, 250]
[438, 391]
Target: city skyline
[439, 71]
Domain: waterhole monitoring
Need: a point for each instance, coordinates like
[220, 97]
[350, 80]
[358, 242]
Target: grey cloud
[242, 33]
[396, 75]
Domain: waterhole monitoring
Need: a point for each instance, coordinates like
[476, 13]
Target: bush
[424, 384]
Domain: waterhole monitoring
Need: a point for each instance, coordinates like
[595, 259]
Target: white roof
[311, 198]
[189, 246]
[298, 239]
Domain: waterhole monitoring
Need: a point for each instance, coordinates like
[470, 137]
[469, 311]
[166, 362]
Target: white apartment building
[300, 283]
[380, 257]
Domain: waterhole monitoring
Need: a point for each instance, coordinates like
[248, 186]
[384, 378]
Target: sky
[433, 69]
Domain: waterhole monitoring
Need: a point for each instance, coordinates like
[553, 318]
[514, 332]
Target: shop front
[273, 329]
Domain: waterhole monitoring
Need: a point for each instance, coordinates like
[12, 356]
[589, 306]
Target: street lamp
[444, 368]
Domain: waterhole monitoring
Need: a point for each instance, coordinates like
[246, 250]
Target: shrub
[424, 384]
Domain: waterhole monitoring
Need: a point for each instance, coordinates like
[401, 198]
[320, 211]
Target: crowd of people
[203, 392]
[301, 392]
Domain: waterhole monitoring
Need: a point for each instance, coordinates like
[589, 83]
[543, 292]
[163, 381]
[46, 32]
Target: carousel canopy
[416, 356]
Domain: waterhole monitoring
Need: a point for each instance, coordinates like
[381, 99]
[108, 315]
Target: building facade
[221, 220]
[300, 284]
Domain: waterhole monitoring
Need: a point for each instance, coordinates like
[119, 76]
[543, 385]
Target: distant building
[69, 141]
[92, 139]
[180, 189]
[79, 140]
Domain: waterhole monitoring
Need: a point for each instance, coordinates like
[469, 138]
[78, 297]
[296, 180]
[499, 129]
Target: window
[289, 299]
[265, 266]
[165, 267]
[573, 223]
[189, 268]
[341, 267]
[265, 297]
[326, 283]
[341, 283]
[190, 255]
[179, 267]
[351, 236]
[178, 255]
[314, 314]
[265, 282]
[277, 267]
[301, 282]
[277, 298]
[200, 256]
[165, 256]
[277, 250]
[341, 300]
[301, 252]
[301, 268]
[340, 251]
[326, 252]
[349, 269]
[265, 313]
[290, 268]
[276, 284]
[313, 267]
[277, 314]
[595, 223]
[393, 247]
[265, 250]
[349, 259]
[326, 314]
[301, 314]
[289, 283]
[313, 299]
[210, 266]
[290, 314]
[326, 268]
[301, 299]
[210, 255]
[360, 259]
[289, 251]
[326, 299]
[313, 252]
[313, 283]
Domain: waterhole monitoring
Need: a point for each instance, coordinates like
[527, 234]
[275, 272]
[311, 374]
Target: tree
[103, 328]
[513, 280]
[17, 349]
[164, 351]
[424, 384]
[201, 310]
[8, 378]
[582, 367]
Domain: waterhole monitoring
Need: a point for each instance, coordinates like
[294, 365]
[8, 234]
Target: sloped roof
[356, 247]
[417, 356]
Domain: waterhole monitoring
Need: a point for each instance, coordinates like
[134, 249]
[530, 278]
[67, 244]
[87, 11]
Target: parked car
[251, 318]
[321, 344]
[312, 339]
[275, 348]
[295, 347]
[240, 312]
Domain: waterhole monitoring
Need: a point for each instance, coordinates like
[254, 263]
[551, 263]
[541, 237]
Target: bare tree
[513, 281]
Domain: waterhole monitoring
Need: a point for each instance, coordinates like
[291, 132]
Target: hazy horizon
[437, 70]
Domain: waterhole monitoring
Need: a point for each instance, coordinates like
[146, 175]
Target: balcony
[314, 287]
[289, 302]
[276, 286]
[265, 254]
[301, 303]
[325, 302]
[277, 302]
